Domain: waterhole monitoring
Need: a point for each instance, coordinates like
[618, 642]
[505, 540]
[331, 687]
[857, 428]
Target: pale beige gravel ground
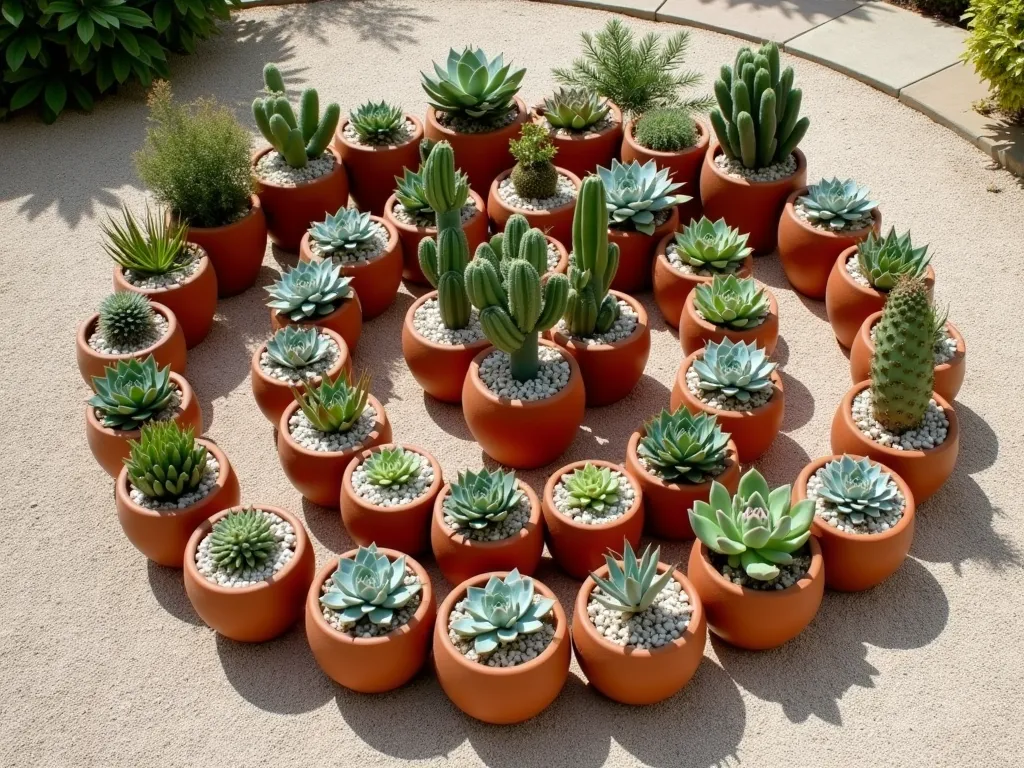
[104, 662]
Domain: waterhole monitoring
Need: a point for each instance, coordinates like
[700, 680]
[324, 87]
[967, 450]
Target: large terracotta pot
[168, 350]
[581, 154]
[636, 253]
[638, 675]
[318, 475]
[346, 321]
[854, 561]
[756, 619]
[750, 207]
[683, 166]
[555, 222]
[258, 612]
[371, 664]
[923, 471]
[518, 433]
[501, 695]
[162, 535]
[372, 170]
[460, 558]
[235, 250]
[579, 548]
[695, 332]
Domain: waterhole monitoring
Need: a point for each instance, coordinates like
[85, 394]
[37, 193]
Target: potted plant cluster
[585, 128]
[314, 293]
[740, 309]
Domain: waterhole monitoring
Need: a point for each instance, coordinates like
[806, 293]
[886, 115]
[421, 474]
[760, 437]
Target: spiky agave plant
[731, 302]
[132, 393]
[473, 86]
[157, 246]
[127, 321]
[334, 406]
[377, 124]
[479, 499]
[635, 193]
[297, 141]
[590, 308]
[166, 462]
[575, 109]
[884, 260]
[411, 191]
[633, 586]
[682, 447]
[369, 586]
[501, 611]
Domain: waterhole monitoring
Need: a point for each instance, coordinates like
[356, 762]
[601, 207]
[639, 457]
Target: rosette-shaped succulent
[593, 488]
[132, 393]
[296, 347]
[369, 585]
[731, 302]
[242, 540]
[411, 192]
[590, 308]
[309, 290]
[838, 204]
[635, 193]
[479, 499]
[391, 466]
[735, 369]
[126, 320]
[575, 109]
[683, 447]
[297, 141]
[715, 247]
[501, 611]
[342, 232]
[334, 406]
[858, 489]
[155, 247]
[376, 123]
[473, 85]
[166, 462]
[631, 587]
[884, 260]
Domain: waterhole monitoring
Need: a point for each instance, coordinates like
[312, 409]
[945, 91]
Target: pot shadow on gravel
[447, 417]
[979, 444]
[799, 403]
[169, 590]
[324, 525]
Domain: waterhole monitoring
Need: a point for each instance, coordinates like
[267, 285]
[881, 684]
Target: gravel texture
[169, 280]
[510, 526]
[366, 252]
[672, 254]
[587, 516]
[461, 124]
[718, 400]
[831, 514]
[664, 621]
[930, 434]
[404, 132]
[99, 344]
[205, 487]
[788, 574]
[624, 327]
[553, 256]
[824, 226]
[775, 172]
[272, 169]
[338, 442]
[393, 495]
[366, 628]
[759, 320]
[565, 192]
[307, 372]
[853, 269]
[278, 559]
[551, 378]
[944, 349]
[521, 650]
[425, 219]
[427, 322]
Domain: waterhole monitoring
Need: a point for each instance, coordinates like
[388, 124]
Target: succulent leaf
[501, 611]
[681, 447]
[132, 393]
[369, 585]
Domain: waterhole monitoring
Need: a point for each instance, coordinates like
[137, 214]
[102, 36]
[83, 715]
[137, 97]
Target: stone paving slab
[643, 9]
[755, 19]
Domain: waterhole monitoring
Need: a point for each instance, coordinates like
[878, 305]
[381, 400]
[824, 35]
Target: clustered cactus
[295, 347]
[310, 290]
[534, 175]
[334, 406]
[155, 247]
[298, 141]
[472, 85]
[132, 393]
[501, 611]
[884, 260]
[712, 246]
[590, 308]
[732, 303]
[575, 109]
[479, 499]
[242, 540]
[739, 370]
[345, 231]
[591, 487]
[127, 321]
[166, 462]
[369, 586]
[633, 586]
[838, 205]
[681, 447]
[377, 124]
[635, 193]
[858, 488]
[391, 466]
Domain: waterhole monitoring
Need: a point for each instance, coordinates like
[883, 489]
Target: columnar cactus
[300, 140]
[590, 308]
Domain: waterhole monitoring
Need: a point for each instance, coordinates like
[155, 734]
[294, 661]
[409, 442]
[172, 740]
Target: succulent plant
[242, 540]
[296, 346]
[479, 499]
[939, 320]
[590, 308]
[411, 192]
[155, 247]
[377, 123]
[392, 466]
[591, 487]
[334, 406]
[633, 586]
[666, 129]
[575, 109]
[838, 204]
[755, 529]
[166, 462]
[309, 290]
[127, 321]
[534, 175]
[131, 393]
[501, 611]
[732, 302]
[346, 231]
[858, 488]
[369, 585]
[712, 246]
[735, 369]
[883, 260]
[473, 85]
[298, 141]
[682, 447]
[635, 193]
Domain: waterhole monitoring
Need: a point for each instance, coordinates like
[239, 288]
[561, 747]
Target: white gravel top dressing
[587, 516]
[510, 526]
[672, 254]
[462, 124]
[715, 472]
[759, 320]
[930, 434]
[169, 280]
[944, 349]
[394, 495]
[427, 322]
[366, 251]
[99, 344]
[717, 400]
[665, 620]
[336, 442]
[624, 327]
[273, 169]
[553, 256]
[521, 650]
[660, 217]
[402, 134]
[278, 558]
[565, 192]
[788, 574]
[205, 487]
[853, 270]
[849, 226]
[425, 219]
[307, 372]
[366, 628]
[551, 378]
[775, 172]
[166, 414]
[603, 124]
[831, 514]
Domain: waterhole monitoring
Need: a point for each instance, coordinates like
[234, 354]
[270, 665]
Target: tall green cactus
[300, 140]
[590, 308]
[758, 108]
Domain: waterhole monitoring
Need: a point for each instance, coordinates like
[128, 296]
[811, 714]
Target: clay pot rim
[271, 185]
[485, 392]
[187, 396]
[867, 290]
[389, 208]
[432, 490]
[88, 328]
[417, 135]
[520, 118]
[348, 269]
[334, 370]
[616, 125]
[563, 258]
[121, 282]
[456, 538]
[731, 454]
[715, 148]
[958, 356]
[495, 194]
[661, 255]
[815, 572]
[672, 222]
[701, 147]
[411, 326]
[254, 207]
[629, 514]
[789, 210]
[124, 495]
[746, 334]
[282, 430]
[642, 328]
[319, 320]
[720, 412]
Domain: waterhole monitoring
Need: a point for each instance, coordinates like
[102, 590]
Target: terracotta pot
[636, 675]
[501, 695]
[923, 471]
[376, 281]
[610, 371]
[753, 431]
[481, 156]
[162, 535]
[666, 504]
[273, 395]
[460, 558]
[258, 612]
[235, 250]
[753, 208]
[563, 259]
[410, 235]
[518, 433]
[579, 548]
[695, 332]
[372, 170]
[346, 321]
[848, 303]
[854, 562]
[948, 376]
[318, 475]
[807, 253]
[683, 166]
[110, 446]
[636, 254]
[193, 301]
[168, 350]
[371, 664]
[756, 619]
[555, 222]
[582, 153]
[291, 210]
[405, 527]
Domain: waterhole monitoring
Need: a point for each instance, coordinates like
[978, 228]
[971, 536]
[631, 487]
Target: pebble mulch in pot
[593, 495]
[665, 620]
[245, 548]
[552, 376]
[624, 326]
[189, 266]
[428, 324]
[497, 528]
[463, 124]
[775, 172]
[306, 435]
[856, 496]
[392, 477]
[553, 256]
[931, 433]
[565, 193]
[98, 343]
[364, 252]
[290, 375]
[272, 168]
[716, 399]
[424, 219]
[672, 254]
[788, 574]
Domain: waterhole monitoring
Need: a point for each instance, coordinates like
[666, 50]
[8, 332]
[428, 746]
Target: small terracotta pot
[372, 170]
[756, 619]
[405, 527]
[193, 301]
[610, 371]
[258, 612]
[110, 446]
[684, 165]
[236, 250]
[318, 475]
[948, 376]
[923, 471]
[753, 208]
[162, 535]
[346, 321]
[555, 222]
[854, 561]
[807, 252]
[371, 664]
[666, 505]
[582, 153]
[518, 433]
[501, 695]
[695, 332]
[579, 548]
[168, 350]
[376, 281]
[636, 254]
[637, 675]
[563, 259]
[273, 395]
[752, 431]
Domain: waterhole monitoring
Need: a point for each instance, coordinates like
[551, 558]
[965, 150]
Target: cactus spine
[300, 140]
[590, 308]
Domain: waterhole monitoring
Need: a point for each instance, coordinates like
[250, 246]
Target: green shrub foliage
[995, 46]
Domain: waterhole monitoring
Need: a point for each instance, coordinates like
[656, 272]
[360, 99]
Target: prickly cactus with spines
[590, 308]
[297, 140]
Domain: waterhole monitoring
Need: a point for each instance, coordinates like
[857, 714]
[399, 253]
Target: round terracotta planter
[853, 561]
[291, 210]
[580, 154]
[518, 433]
[756, 619]
[460, 558]
[753, 431]
[807, 252]
[162, 535]
[923, 471]
[235, 250]
[168, 350]
[376, 281]
[371, 170]
[410, 235]
[501, 695]
[949, 376]
[636, 254]
[346, 321]
[318, 475]
[555, 222]
[258, 612]
[638, 675]
[273, 395]
[193, 301]
[695, 332]
[610, 371]
[371, 664]
[666, 505]
[563, 259]
[110, 446]
[683, 165]
[750, 207]
[405, 527]
[579, 548]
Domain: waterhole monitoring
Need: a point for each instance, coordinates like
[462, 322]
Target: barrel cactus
[127, 321]
[242, 540]
[298, 141]
[590, 307]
